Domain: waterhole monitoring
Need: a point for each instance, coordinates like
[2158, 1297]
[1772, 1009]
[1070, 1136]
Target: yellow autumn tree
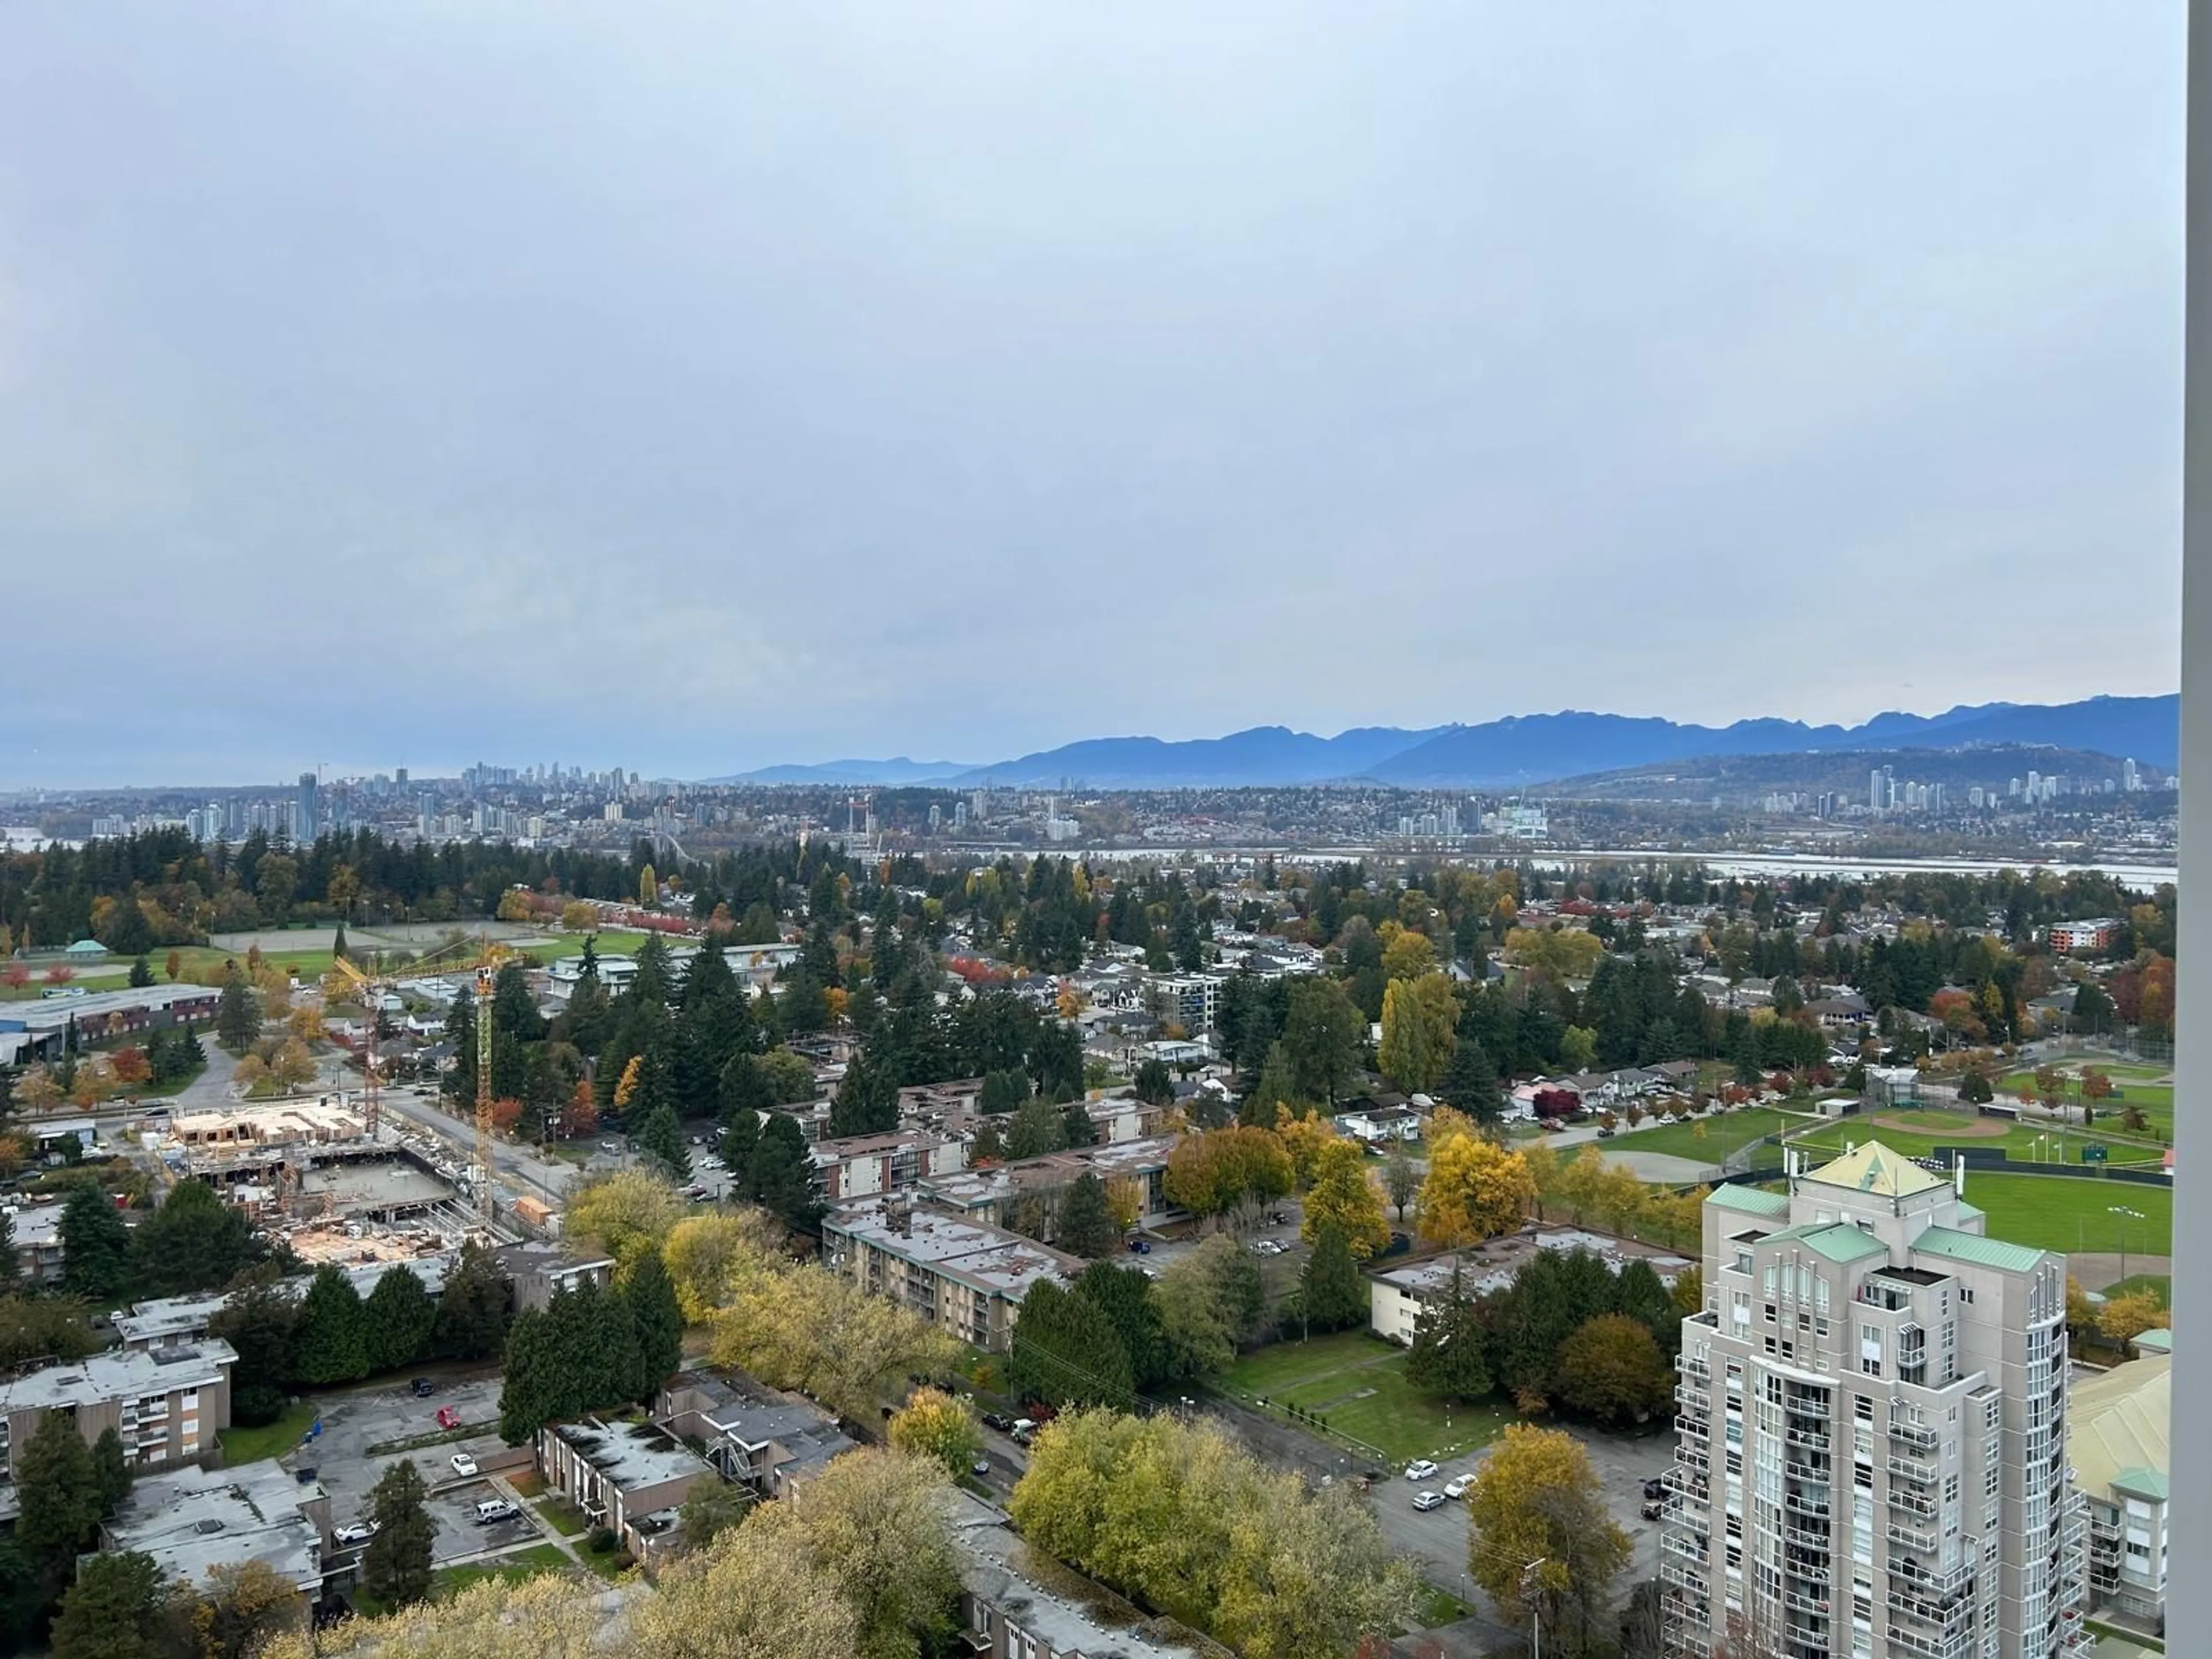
[1304, 1137]
[1344, 1195]
[626, 1213]
[1475, 1191]
[626, 1085]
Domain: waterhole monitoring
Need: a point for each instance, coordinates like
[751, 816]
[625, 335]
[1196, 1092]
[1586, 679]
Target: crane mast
[484, 1205]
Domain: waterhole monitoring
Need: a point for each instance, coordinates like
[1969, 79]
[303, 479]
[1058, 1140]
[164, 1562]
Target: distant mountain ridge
[1519, 752]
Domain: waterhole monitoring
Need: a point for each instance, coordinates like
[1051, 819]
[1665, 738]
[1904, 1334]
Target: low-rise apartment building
[2121, 1422]
[166, 1404]
[192, 1519]
[965, 1277]
[766, 1441]
[862, 1166]
[619, 1473]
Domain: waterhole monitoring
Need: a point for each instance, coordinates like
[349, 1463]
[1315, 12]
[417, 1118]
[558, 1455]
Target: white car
[1457, 1485]
[465, 1466]
[1420, 1470]
[1428, 1500]
[360, 1533]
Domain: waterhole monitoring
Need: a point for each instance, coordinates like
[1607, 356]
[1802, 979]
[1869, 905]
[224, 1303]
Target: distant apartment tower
[1871, 1457]
[307, 809]
[2091, 935]
[2130, 779]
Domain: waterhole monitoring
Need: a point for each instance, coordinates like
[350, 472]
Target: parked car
[1139, 1247]
[1603, 1133]
[997, 1420]
[1457, 1485]
[496, 1509]
[422, 1388]
[1420, 1470]
[979, 1467]
[1428, 1500]
[1024, 1427]
[1653, 1508]
[359, 1533]
[1655, 1486]
[610, 1145]
[464, 1464]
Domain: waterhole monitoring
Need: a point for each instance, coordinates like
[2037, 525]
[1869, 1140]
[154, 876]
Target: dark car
[1655, 1486]
[1400, 1243]
[422, 1388]
[979, 1467]
[997, 1420]
[1139, 1247]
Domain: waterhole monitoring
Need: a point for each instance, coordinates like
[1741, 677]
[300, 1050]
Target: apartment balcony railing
[1811, 1439]
[1698, 1428]
[1798, 1601]
[1800, 1405]
[1692, 1393]
[1913, 1503]
[1914, 1434]
[1688, 1545]
[1907, 1468]
[1815, 1507]
[1929, 1645]
[1806, 1538]
[1682, 1577]
[1690, 1365]
[1912, 1538]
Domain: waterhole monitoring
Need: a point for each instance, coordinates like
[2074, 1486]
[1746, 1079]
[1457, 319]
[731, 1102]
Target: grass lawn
[612, 1565]
[251, 1445]
[448, 1582]
[563, 1517]
[2055, 1213]
[1437, 1608]
[2158, 1284]
[2023, 1142]
[1708, 1139]
[1355, 1383]
[526, 1484]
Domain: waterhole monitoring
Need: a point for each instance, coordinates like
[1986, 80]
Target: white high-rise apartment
[1871, 1449]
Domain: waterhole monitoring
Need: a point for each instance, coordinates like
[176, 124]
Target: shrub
[256, 1405]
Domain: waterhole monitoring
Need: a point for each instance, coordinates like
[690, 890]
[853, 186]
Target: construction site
[317, 1161]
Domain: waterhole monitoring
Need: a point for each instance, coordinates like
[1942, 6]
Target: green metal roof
[1971, 1246]
[1749, 1200]
[2142, 1483]
[1969, 1212]
[2159, 1341]
[1839, 1240]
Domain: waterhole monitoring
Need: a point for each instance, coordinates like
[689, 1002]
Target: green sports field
[2056, 1213]
[1708, 1139]
[2023, 1143]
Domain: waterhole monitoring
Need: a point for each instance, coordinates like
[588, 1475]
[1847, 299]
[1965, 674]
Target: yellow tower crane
[485, 957]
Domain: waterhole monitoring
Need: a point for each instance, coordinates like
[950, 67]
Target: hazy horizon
[699, 389]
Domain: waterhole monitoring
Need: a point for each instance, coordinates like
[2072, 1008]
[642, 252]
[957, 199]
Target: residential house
[38, 1235]
[1377, 1123]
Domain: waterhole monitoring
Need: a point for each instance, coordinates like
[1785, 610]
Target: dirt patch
[2099, 1269]
[1966, 1128]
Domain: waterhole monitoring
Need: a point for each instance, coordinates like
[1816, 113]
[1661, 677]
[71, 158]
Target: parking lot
[353, 1423]
[1623, 1463]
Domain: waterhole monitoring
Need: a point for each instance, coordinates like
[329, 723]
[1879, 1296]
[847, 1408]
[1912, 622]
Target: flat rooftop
[191, 1520]
[632, 1455]
[1491, 1266]
[988, 1257]
[118, 1372]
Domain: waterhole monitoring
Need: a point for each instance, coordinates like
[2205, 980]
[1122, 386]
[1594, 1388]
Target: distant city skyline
[708, 389]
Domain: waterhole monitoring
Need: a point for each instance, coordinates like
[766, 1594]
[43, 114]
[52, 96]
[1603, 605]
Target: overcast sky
[695, 388]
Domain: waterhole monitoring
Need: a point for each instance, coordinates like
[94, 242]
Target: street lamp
[2122, 1210]
[1535, 1614]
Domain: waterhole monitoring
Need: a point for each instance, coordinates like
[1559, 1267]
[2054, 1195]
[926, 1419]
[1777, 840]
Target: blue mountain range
[1517, 751]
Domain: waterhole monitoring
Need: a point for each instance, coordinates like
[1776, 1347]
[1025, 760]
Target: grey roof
[190, 1519]
[632, 1455]
[120, 1372]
